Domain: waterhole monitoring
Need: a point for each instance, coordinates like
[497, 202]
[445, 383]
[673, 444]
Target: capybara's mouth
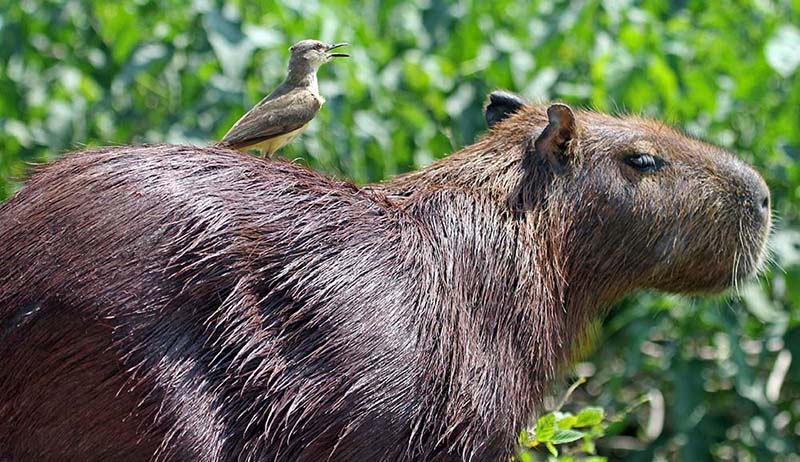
[715, 267]
[748, 259]
[748, 265]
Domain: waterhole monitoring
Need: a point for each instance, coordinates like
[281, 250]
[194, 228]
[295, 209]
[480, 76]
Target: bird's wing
[273, 117]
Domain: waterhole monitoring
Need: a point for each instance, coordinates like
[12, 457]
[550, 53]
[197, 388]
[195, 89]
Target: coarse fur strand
[182, 303]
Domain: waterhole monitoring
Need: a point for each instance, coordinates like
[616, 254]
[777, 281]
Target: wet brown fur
[182, 303]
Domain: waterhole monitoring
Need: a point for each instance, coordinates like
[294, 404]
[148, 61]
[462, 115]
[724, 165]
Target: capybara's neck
[497, 311]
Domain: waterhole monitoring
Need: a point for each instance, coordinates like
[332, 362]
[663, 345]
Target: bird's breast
[273, 144]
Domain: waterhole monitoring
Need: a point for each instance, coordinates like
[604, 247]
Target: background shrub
[721, 377]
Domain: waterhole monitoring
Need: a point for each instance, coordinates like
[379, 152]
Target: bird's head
[314, 53]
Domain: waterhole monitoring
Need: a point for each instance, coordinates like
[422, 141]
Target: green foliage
[556, 430]
[723, 374]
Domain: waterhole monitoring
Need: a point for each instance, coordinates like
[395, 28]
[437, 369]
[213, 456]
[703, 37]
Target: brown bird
[280, 117]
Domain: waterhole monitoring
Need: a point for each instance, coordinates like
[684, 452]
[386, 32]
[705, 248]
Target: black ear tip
[501, 105]
[505, 98]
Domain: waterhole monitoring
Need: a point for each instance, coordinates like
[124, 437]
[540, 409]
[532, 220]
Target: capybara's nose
[760, 195]
[764, 201]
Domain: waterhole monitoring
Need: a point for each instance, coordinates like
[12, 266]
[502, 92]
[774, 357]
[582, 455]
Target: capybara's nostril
[758, 192]
[762, 199]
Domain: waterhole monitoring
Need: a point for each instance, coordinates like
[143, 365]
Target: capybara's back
[152, 304]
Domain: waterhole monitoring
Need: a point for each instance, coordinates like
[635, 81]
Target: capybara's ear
[501, 105]
[554, 142]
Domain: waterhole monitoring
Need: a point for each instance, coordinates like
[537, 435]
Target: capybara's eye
[644, 162]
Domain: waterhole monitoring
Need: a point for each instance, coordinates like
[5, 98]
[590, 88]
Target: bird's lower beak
[337, 55]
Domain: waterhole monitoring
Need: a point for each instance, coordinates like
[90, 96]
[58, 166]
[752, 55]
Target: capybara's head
[637, 200]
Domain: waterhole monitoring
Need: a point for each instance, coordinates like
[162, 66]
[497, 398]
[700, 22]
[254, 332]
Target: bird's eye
[644, 162]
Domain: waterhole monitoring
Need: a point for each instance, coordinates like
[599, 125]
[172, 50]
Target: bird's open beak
[337, 55]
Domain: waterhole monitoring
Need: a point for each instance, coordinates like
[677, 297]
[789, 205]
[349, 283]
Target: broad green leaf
[566, 436]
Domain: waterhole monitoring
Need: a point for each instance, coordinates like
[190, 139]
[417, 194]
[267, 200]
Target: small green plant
[568, 437]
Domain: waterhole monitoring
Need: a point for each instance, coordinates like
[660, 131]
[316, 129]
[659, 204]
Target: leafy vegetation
[556, 430]
[722, 376]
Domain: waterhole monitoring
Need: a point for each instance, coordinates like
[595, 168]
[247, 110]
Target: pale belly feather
[268, 147]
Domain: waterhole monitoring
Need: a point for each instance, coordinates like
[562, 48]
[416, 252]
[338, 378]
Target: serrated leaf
[589, 416]
[566, 436]
[545, 428]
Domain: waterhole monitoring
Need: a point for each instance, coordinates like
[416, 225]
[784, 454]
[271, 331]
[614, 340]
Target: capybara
[184, 303]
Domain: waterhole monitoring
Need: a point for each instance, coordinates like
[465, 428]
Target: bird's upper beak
[336, 55]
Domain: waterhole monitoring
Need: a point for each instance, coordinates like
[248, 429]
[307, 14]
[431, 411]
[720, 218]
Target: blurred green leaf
[565, 423]
[545, 428]
[783, 50]
[588, 417]
[231, 46]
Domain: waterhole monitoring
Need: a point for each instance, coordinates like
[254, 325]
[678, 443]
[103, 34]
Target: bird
[282, 115]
